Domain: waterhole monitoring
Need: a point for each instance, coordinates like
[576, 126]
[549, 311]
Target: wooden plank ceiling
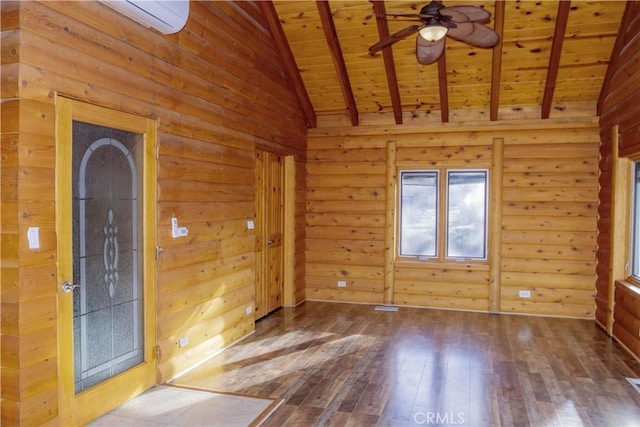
[552, 57]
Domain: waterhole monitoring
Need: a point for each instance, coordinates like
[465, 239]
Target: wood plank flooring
[349, 365]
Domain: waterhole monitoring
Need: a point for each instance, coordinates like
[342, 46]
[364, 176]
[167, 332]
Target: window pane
[418, 213]
[466, 214]
[635, 264]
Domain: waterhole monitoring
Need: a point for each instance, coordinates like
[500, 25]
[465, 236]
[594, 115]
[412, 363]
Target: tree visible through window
[464, 197]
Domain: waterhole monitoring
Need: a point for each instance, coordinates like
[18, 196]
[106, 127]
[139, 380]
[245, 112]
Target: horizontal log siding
[549, 228]
[433, 284]
[618, 107]
[345, 220]
[548, 225]
[9, 218]
[216, 89]
[9, 269]
[626, 327]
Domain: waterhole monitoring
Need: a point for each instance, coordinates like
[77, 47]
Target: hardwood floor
[343, 364]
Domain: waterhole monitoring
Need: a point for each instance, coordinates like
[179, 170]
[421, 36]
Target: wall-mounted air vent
[166, 16]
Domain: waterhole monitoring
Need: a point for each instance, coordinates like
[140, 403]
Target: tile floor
[178, 406]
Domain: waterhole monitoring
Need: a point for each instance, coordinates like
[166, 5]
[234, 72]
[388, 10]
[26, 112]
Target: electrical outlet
[249, 310]
[342, 284]
[524, 294]
[183, 342]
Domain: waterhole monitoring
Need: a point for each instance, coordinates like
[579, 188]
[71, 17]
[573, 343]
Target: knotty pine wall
[617, 299]
[544, 237]
[217, 91]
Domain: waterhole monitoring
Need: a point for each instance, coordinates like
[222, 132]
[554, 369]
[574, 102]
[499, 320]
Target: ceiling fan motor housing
[462, 23]
[431, 15]
[432, 8]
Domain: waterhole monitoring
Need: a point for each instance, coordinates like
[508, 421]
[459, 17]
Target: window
[635, 239]
[443, 216]
[419, 213]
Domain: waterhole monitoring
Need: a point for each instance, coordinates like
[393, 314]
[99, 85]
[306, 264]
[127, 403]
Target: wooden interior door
[269, 231]
[105, 222]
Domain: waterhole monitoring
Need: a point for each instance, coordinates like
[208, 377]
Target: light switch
[177, 231]
[33, 236]
[250, 225]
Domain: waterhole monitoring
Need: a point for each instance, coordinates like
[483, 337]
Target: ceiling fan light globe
[433, 33]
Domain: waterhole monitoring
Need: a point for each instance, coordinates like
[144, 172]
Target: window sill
[480, 265]
[630, 285]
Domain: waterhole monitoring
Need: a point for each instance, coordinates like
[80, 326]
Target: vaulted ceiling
[552, 57]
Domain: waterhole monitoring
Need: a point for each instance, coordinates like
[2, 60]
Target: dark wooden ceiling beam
[496, 68]
[338, 59]
[442, 85]
[554, 58]
[444, 91]
[290, 66]
[389, 63]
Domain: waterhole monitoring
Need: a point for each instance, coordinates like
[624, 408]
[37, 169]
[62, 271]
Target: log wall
[544, 226]
[216, 90]
[618, 299]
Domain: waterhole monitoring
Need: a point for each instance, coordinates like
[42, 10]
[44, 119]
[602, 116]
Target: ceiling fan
[464, 23]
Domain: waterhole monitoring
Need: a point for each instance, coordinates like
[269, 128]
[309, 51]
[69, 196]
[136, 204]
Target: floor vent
[386, 308]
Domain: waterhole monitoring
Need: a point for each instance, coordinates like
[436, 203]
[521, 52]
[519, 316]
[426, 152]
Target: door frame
[289, 232]
[93, 402]
[288, 227]
[266, 248]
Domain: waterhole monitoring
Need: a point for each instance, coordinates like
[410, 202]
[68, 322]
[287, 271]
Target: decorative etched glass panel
[107, 252]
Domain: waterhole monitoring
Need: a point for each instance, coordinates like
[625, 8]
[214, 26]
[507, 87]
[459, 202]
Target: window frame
[634, 241]
[438, 209]
[442, 212]
[446, 236]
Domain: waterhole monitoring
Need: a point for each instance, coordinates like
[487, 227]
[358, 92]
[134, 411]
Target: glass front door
[105, 226]
[108, 301]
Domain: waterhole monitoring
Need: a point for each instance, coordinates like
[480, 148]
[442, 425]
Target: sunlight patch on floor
[179, 406]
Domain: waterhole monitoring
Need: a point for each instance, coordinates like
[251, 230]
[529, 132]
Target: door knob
[68, 287]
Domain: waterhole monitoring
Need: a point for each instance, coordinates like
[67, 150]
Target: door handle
[68, 287]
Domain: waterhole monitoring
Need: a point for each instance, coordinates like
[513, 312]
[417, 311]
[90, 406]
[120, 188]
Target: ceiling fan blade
[429, 52]
[392, 38]
[481, 36]
[466, 13]
[462, 30]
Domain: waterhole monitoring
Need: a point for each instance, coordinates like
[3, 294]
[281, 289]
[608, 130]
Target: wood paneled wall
[618, 304]
[550, 193]
[216, 90]
[9, 131]
[546, 224]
